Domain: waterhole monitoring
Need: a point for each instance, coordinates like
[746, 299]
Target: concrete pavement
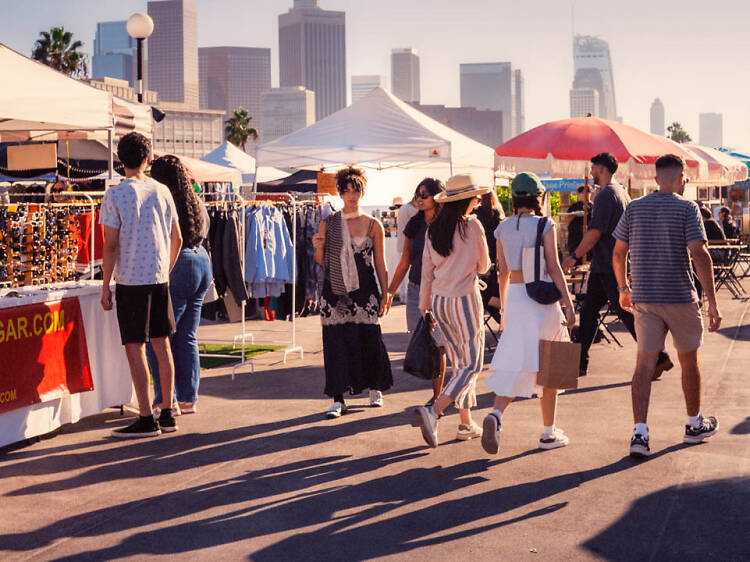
[259, 474]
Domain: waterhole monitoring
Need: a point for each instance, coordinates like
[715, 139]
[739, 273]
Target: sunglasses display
[38, 245]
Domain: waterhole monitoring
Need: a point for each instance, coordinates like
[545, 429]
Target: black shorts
[144, 312]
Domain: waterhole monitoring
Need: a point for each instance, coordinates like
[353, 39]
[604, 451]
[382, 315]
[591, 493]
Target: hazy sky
[692, 54]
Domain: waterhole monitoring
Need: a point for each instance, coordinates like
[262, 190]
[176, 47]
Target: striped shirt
[658, 229]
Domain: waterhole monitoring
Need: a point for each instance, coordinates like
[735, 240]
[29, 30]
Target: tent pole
[109, 153]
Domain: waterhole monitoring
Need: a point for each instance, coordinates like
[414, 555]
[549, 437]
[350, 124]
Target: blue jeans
[188, 284]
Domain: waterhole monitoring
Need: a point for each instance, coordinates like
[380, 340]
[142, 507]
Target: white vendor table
[109, 365]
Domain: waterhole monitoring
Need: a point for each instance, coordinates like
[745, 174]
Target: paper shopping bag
[559, 364]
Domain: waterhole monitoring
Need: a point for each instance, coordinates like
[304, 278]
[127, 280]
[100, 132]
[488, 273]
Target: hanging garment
[230, 259]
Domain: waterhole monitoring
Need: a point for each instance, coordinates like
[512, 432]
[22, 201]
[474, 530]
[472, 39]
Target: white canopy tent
[382, 132]
[229, 155]
[35, 97]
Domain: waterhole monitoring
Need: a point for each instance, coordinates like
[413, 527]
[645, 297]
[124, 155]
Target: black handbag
[423, 355]
[539, 290]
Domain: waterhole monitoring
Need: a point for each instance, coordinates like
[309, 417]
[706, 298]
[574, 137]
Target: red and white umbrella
[563, 149]
[723, 169]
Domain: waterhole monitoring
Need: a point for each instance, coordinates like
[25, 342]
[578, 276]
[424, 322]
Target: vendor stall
[62, 359]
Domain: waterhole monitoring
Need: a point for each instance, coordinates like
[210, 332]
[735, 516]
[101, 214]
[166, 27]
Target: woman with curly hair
[188, 282]
[350, 245]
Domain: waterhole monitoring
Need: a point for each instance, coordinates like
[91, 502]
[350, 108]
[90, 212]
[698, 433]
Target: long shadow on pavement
[344, 511]
[705, 521]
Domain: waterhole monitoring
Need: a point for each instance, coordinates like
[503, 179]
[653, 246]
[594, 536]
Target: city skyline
[700, 77]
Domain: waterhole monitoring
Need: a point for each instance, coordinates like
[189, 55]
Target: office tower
[188, 131]
[233, 78]
[173, 51]
[482, 125]
[121, 89]
[113, 51]
[711, 130]
[492, 85]
[593, 69]
[584, 102]
[364, 84]
[285, 110]
[405, 74]
[312, 53]
[657, 118]
[520, 104]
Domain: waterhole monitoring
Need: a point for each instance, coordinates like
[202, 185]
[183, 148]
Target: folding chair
[491, 313]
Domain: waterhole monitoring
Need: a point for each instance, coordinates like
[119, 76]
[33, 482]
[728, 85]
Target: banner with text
[43, 353]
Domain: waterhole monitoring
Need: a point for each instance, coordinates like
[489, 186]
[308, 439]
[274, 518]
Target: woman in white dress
[515, 364]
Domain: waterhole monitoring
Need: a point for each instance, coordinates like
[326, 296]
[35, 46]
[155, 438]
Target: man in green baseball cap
[526, 184]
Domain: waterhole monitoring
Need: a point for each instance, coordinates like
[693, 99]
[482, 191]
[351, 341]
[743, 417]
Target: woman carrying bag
[350, 246]
[455, 253]
[415, 233]
[514, 367]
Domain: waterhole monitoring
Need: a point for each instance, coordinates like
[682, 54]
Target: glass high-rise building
[405, 74]
[173, 51]
[233, 78]
[312, 53]
[492, 85]
[657, 118]
[711, 131]
[593, 69]
[114, 51]
[366, 83]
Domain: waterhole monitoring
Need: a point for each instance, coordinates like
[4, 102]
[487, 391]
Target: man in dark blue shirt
[609, 205]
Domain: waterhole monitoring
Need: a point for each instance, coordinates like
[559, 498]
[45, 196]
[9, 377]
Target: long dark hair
[528, 202]
[451, 217]
[170, 171]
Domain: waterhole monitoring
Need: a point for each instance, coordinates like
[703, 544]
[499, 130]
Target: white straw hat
[460, 186]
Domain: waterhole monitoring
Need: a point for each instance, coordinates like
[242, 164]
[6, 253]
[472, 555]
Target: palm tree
[56, 49]
[677, 133]
[238, 129]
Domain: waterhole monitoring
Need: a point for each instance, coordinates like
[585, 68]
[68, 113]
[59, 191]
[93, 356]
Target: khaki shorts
[653, 321]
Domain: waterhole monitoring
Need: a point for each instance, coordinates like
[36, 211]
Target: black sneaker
[706, 429]
[167, 422]
[639, 446]
[144, 426]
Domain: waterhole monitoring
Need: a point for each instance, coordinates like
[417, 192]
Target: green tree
[56, 49]
[677, 133]
[237, 128]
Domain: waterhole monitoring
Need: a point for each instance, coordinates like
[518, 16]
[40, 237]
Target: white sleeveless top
[517, 233]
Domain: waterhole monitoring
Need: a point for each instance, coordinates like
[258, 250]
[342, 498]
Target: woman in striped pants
[455, 253]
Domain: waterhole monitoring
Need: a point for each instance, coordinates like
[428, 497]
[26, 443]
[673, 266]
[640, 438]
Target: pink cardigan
[455, 275]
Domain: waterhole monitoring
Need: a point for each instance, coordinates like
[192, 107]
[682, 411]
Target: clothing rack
[234, 200]
[292, 200]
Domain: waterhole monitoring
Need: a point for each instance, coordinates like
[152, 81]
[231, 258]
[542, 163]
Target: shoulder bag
[539, 285]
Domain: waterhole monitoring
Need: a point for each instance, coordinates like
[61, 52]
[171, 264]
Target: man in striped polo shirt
[662, 231]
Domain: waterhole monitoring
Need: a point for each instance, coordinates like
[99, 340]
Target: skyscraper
[657, 118]
[492, 85]
[312, 53]
[593, 69]
[520, 104]
[711, 129]
[285, 110]
[234, 77]
[584, 102]
[173, 51]
[113, 51]
[364, 84]
[405, 74]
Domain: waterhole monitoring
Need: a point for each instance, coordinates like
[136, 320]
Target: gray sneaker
[491, 429]
[708, 427]
[428, 424]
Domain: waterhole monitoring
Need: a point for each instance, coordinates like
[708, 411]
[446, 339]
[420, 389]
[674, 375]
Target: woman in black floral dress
[350, 245]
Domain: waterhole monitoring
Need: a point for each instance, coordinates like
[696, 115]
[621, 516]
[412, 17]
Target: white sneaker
[428, 424]
[376, 399]
[335, 411]
[466, 432]
[557, 439]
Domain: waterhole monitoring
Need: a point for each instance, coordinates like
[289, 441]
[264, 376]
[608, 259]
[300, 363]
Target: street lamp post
[140, 26]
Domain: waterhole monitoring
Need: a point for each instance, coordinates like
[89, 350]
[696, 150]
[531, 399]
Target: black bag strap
[538, 248]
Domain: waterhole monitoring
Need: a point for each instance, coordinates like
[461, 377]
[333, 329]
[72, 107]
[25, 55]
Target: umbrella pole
[586, 192]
